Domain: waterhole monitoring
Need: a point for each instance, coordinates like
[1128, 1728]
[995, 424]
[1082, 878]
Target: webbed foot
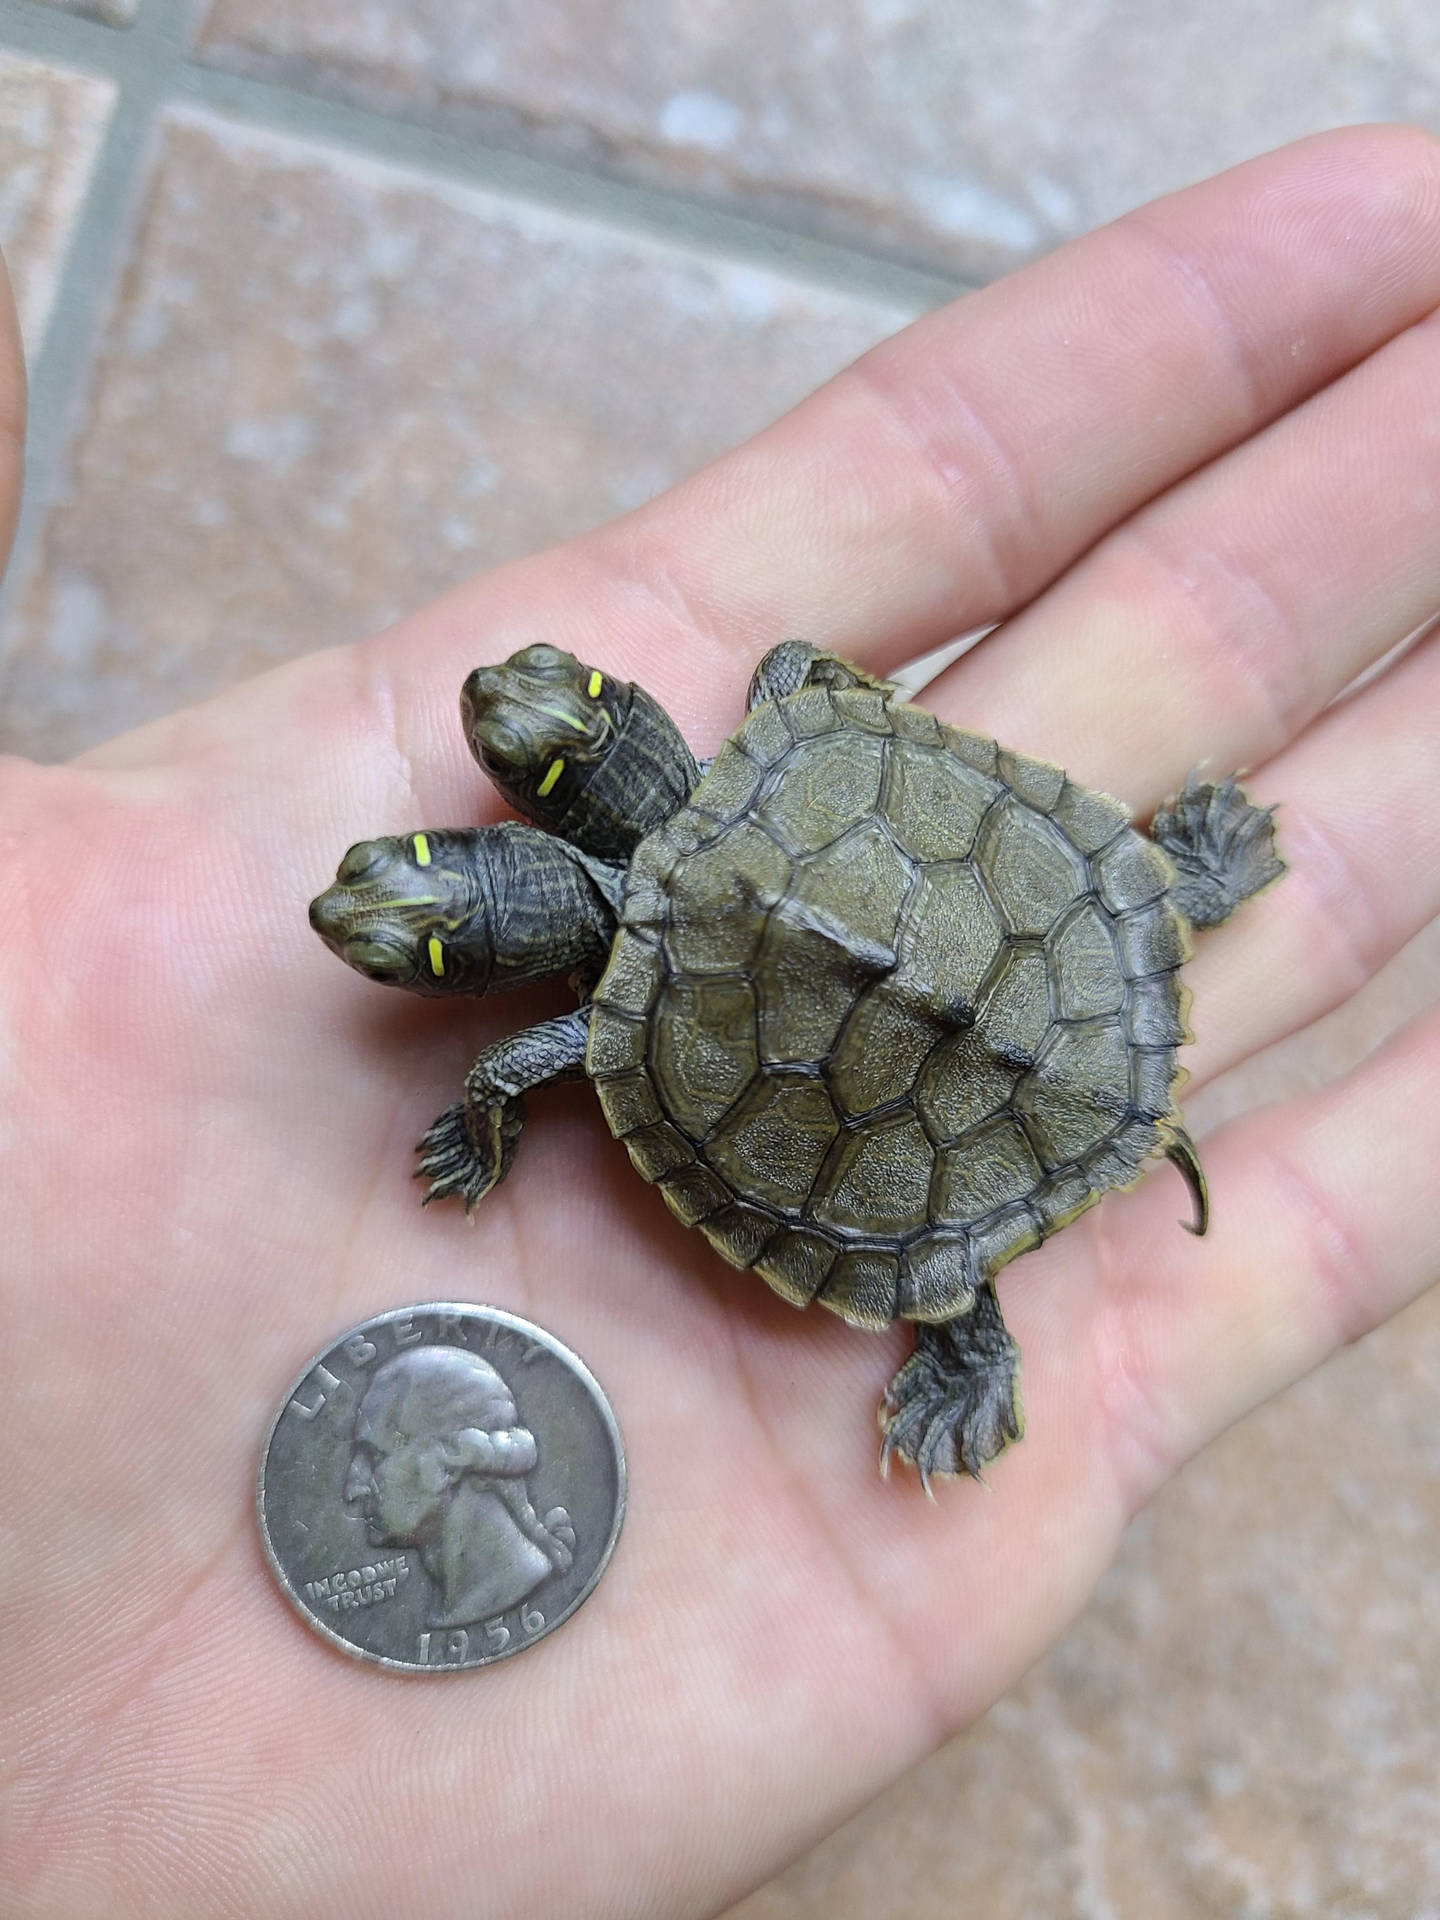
[469, 1149]
[1222, 845]
[955, 1404]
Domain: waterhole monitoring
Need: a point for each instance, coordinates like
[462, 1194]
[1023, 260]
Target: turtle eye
[549, 661]
[500, 748]
[364, 858]
[377, 958]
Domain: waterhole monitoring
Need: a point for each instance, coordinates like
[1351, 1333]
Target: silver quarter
[441, 1488]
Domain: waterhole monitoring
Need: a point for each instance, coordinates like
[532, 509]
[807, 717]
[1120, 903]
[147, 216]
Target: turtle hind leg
[795, 664]
[1222, 846]
[470, 1147]
[955, 1404]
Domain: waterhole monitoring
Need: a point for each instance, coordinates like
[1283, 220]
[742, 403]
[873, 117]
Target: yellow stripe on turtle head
[552, 774]
[597, 680]
[437, 958]
[422, 850]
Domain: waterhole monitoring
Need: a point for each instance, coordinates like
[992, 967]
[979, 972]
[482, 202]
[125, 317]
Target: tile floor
[329, 303]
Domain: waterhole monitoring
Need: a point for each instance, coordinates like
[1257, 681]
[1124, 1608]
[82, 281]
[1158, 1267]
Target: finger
[12, 416]
[1330, 1223]
[957, 469]
[960, 466]
[1356, 820]
[1222, 618]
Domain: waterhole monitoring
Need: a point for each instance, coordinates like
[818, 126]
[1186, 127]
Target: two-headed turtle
[877, 1004]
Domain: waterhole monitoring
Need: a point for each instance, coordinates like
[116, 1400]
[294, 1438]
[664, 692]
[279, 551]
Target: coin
[441, 1488]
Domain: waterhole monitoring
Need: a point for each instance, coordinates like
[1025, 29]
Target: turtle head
[411, 911]
[540, 724]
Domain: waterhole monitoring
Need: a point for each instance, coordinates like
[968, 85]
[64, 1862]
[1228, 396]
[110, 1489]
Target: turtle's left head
[412, 910]
[539, 724]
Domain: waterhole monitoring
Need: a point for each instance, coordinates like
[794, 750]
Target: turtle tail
[1222, 846]
[1179, 1150]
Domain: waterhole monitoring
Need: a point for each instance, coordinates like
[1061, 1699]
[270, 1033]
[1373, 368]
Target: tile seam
[139, 61]
[152, 69]
[622, 205]
[72, 40]
[278, 144]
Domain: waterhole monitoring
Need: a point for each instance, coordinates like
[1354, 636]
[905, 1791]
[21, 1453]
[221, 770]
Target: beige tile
[51, 124]
[1242, 1724]
[331, 390]
[964, 135]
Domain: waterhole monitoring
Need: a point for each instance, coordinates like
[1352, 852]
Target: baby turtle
[877, 1004]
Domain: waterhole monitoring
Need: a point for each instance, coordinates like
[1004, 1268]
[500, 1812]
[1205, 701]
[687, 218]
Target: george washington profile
[438, 1463]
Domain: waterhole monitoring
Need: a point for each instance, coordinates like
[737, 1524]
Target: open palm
[1201, 450]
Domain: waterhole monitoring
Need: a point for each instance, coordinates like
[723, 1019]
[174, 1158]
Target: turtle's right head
[540, 724]
[411, 911]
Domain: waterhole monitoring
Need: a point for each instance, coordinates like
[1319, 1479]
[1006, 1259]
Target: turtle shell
[888, 1005]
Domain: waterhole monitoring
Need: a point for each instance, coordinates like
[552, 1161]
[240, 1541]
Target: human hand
[1198, 450]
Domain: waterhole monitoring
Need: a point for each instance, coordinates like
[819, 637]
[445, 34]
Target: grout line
[141, 62]
[151, 67]
[73, 40]
[69, 38]
[599, 197]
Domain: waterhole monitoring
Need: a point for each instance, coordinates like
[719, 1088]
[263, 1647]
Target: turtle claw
[468, 1151]
[888, 1450]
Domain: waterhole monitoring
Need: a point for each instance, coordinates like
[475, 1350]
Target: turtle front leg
[955, 1404]
[470, 1147]
[795, 664]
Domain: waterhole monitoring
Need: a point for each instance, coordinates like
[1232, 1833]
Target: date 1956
[453, 1649]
